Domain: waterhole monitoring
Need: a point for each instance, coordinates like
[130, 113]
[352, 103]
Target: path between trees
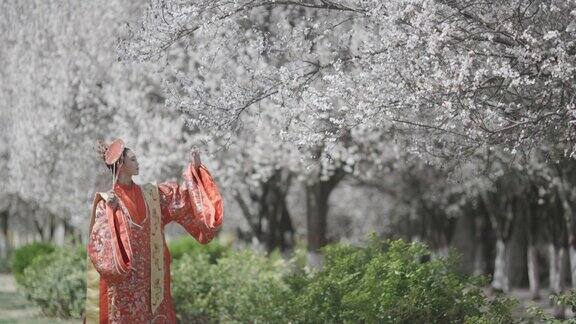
[14, 308]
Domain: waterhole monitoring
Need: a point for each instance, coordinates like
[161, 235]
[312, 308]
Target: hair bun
[101, 149]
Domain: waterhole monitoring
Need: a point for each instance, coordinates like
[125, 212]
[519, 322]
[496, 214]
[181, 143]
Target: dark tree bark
[557, 242]
[533, 212]
[39, 229]
[280, 233]
[317, 195]
[4, 226]
[480, 229]
[501, 214]
[270, 221]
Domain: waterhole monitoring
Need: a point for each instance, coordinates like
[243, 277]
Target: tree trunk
[501, 267]
[5, 244]
[51, 227]
[317, 211]
[502, 217]
[532, 231]
[533, 272]
[39, 229]
[286, 230]
[573, 265]
[70, 233]
[439, 229]
[270, 220]
[570, 221]
[479, 265]
[556, 268]
[280, 232]
[317, 195]
[479, 262]
[557, 255]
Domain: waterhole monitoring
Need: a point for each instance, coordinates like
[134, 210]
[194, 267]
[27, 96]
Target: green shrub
[186, 244]
[384, 282]
[390, 282]
[240, 287]
[567, 300]
[57, 282]
[23, 256]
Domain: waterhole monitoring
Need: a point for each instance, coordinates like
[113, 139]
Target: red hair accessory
[114, 151]
[111, 154]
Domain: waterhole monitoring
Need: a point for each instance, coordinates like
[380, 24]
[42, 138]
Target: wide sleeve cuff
[107, 245]
[196, 204]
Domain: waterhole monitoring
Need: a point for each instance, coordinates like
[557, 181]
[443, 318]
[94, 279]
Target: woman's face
[130, 165]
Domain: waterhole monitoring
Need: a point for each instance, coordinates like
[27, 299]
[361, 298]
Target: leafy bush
[392, 282]
[384, 282]
[187, 245]
[22, 257]
[565, 300]
[57, 282]
[241, 287]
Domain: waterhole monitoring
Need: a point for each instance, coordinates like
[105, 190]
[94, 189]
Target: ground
[14, 308]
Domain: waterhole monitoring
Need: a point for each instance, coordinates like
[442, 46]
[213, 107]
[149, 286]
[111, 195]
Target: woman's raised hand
[195, 157]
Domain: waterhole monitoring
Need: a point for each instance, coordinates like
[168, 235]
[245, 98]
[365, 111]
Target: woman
[129, 262]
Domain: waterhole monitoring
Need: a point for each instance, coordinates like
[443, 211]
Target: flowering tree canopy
[64, 90]
[469, 74]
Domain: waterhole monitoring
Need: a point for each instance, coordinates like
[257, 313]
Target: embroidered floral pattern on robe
[121, 253]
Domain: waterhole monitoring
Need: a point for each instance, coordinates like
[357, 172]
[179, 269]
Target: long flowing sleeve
[196, 204]
[108, 244]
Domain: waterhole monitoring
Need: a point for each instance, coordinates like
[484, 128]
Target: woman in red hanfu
[128, 260]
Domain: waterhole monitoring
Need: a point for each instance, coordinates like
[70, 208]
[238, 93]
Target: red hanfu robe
[119, 244]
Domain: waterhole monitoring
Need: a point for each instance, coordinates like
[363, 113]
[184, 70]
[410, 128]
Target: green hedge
[241, 287]
[390, 282]
[188, 245]
[57, 282]
[566, 300]
[23, 257]
[384, 282]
